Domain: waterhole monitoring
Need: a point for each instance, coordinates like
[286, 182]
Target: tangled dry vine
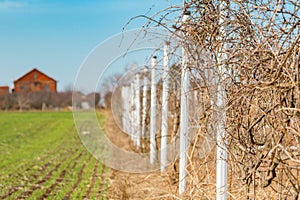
[261, 43]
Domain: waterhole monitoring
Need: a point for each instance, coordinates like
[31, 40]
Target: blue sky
[56, 36]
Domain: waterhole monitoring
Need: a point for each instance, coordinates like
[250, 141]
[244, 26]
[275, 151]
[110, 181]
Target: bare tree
[93, 99]
[23, 100]
[7, 101]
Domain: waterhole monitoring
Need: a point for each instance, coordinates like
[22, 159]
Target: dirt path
[124, 185]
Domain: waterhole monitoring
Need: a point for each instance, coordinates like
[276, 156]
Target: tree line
[47, 100]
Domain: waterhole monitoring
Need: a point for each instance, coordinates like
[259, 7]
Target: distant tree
[39, 99]
[107, 99]
[65, 99]
[68, 88]
[54, 100]
[22, 100]
[93, 99]
[77, 98]
[109, 84]
[7, 101]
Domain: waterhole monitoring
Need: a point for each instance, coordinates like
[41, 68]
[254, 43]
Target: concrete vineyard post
[184, 116]
[144, 104]
[221, 173]
[165, 99]
[153, 112]
[125, 107]
[137, 110]
[131, 114]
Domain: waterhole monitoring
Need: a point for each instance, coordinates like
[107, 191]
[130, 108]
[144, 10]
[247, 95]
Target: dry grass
[201, 177]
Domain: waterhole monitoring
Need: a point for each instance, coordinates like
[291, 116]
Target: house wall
[4, 90]
[34, 82]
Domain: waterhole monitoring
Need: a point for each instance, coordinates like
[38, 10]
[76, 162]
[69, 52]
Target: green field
[41, 157]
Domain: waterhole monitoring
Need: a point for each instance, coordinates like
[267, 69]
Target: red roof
[36, 70]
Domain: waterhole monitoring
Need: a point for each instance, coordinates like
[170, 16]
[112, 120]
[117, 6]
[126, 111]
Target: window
[23, 87]
[46, 88]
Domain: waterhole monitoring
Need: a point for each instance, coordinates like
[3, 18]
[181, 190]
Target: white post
[196, 98]
[153, 112]
[165, 104]
[131, 114]
[138, 110]
[221, 174]
[123, 108]
[184, 117]
[144, 104]
[127, 108]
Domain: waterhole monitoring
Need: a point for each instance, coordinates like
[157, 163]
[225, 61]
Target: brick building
[35, 81]
[4, 90]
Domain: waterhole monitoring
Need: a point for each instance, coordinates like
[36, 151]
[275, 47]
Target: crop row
[45, 159]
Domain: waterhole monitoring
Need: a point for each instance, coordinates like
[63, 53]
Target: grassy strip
[38, 157]
[59, 179]
[39, 133]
